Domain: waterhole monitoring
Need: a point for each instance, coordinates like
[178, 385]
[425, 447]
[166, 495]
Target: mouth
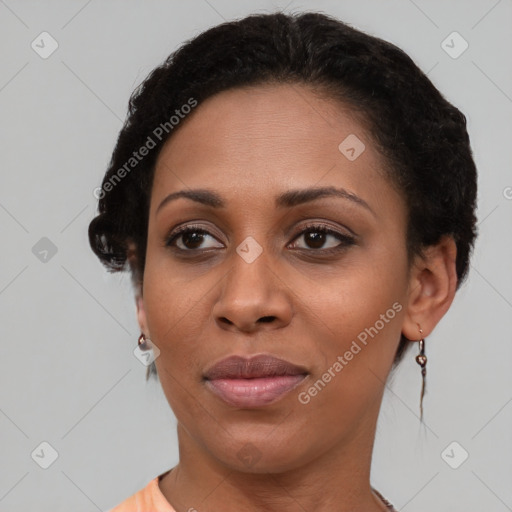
[253, 382]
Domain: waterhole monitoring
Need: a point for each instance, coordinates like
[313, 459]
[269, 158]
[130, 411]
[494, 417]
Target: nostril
[266, 319]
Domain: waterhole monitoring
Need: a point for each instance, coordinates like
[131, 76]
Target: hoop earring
[421, 359]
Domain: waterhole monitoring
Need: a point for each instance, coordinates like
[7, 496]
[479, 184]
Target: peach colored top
[148, 499]
[151, 499]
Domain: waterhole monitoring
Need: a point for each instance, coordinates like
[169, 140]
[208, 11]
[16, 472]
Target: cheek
[174, 308]
[171, 306]
[361, 311]
[363, 316]
[169, 293]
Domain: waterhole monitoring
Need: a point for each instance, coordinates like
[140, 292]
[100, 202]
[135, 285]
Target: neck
[338, 479]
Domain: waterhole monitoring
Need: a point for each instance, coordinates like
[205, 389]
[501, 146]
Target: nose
[252, 297]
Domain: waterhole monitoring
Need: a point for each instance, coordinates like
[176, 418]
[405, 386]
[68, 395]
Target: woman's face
[256, 275]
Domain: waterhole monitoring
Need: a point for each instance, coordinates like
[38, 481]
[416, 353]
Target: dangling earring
[144, 345]
[421, 359]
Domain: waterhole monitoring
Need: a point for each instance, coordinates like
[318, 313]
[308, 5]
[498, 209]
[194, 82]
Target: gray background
[68, 329]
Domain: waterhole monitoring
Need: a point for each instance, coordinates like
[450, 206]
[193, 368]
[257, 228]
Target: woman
[296, 204]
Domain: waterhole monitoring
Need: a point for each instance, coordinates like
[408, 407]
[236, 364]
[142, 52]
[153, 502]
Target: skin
[248, 145]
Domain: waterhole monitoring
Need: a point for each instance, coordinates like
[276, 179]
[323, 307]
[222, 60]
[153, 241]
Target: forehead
[258, 140]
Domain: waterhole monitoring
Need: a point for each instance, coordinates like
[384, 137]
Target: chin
[249, 457]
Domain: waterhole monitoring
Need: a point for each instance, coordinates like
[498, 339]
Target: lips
[253, 382]
[238, 367]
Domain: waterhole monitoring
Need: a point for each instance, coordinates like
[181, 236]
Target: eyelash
[345, 240]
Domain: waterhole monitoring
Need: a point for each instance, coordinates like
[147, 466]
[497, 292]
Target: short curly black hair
[421, 136]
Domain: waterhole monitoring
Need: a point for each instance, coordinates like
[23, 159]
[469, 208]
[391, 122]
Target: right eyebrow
[203, 196]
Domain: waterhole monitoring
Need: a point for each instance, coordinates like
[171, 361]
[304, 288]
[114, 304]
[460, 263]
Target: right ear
[141, 316]
[131, 256]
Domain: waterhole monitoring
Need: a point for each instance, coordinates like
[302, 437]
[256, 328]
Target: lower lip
[254, 392]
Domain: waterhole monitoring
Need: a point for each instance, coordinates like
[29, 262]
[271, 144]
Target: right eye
[189, 238]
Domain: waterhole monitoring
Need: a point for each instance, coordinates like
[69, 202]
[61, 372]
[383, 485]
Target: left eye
[316, 237]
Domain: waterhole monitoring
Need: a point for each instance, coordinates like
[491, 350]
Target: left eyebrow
[300, 196]
[285, 200]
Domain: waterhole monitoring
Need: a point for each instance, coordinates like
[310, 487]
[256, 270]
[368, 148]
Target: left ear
[432, 286]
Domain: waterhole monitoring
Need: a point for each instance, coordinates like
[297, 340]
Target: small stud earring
[143, 342]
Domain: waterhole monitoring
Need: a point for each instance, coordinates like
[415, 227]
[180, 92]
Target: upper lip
[238, 367]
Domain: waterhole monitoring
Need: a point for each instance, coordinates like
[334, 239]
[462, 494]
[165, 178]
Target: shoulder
[148, 498]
